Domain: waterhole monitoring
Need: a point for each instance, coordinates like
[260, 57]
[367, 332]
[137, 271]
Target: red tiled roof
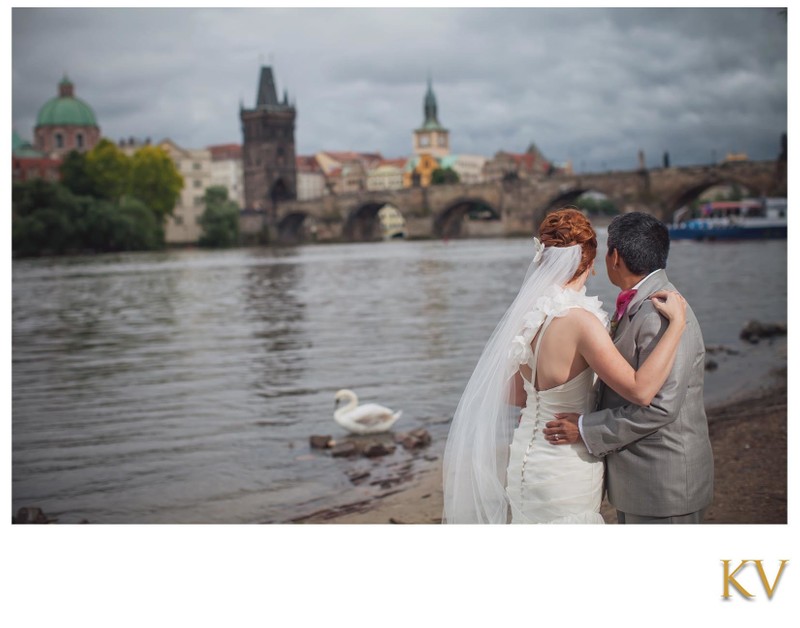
[343, 156]
[527, 161]
[225, 151]
[307, 163]
[398, 162]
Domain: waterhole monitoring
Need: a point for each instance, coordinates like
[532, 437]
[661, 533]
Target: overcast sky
[590, 85]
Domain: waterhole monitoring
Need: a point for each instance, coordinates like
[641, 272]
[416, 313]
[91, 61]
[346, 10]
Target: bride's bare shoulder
[585, 320]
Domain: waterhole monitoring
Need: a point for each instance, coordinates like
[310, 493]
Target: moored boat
[749, 219]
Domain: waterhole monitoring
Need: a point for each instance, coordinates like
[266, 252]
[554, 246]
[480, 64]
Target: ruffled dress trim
[556, 302]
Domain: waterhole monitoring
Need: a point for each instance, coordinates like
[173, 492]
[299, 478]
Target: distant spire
[430, 105]
[267, 95]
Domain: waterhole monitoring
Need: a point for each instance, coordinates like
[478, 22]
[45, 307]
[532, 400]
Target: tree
[109, 170]
[220, 219]
[444, 176]
[74, 175]
[48, 219]
[45, 218]
[127, 226]
[155, 180]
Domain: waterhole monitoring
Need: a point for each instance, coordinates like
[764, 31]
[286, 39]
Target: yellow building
[419, 170]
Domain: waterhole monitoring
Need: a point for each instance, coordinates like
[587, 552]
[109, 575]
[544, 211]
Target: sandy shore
[748, 435]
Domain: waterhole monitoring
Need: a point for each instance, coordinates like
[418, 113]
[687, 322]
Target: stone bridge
[504, 208]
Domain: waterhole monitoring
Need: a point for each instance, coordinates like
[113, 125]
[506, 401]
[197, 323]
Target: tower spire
[430, 106]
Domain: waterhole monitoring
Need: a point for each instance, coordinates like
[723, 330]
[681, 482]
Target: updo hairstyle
[567, 227]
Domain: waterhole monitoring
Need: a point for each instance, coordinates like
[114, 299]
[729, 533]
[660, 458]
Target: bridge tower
[270, 171]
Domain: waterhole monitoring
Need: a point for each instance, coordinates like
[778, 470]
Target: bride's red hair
[567, 227]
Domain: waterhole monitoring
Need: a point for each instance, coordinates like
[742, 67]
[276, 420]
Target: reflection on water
[183, 386]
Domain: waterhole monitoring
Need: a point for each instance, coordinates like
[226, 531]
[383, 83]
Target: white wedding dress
[548, 483]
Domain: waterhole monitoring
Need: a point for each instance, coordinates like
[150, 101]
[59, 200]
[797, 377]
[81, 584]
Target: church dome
[65, 109]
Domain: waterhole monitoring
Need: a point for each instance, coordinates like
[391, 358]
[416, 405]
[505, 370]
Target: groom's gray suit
[658, 458]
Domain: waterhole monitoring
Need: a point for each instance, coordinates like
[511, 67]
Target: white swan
[367, 419]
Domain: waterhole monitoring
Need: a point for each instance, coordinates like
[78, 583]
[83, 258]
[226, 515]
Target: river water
[183, 386]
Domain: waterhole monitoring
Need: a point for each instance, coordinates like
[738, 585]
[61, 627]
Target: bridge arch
[572, 196]
[362, 223]
[685, 195]
[447, 223]
[295, 227]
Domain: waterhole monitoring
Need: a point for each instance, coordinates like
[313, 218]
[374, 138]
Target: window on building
[198, 183]
[79, 140]
[442, 140]
[424, 140]
[198, 201]
[178, 219]
[59, 140]
[196, 165]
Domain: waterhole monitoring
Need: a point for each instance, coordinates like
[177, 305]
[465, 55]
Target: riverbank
[748, 436]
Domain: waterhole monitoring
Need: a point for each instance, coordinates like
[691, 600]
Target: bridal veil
[477, 449]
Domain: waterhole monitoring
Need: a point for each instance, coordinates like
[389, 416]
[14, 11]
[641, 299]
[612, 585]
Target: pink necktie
[623, 300]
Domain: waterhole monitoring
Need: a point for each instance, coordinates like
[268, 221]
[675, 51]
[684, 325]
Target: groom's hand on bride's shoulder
[563, 430]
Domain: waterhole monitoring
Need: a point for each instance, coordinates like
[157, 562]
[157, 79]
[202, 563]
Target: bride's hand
[671, 305]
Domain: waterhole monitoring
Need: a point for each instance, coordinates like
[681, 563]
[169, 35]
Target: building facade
[431, 138]
[65, 123]
[530, 165]
[27, 163]
[227, 170]
[346, 171]
[268, 152]
[310, 178]
[419, 171]
[183, 227]
[469, 168]
[387, 176]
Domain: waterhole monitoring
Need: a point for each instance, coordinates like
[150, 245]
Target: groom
[659, 466]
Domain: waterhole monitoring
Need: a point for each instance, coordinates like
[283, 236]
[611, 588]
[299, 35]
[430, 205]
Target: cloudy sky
[590, 85]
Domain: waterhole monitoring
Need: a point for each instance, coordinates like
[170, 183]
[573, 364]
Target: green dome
[65, 109]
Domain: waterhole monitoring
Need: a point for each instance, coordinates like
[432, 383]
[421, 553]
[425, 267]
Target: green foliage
[443, 176]
[220, 220]
[107, 201]
[109, 170]
[155, 180]
[74, 175]
[48, 219]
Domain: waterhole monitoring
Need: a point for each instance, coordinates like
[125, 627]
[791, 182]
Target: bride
[499, 465]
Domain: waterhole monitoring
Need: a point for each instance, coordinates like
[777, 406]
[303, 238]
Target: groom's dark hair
[641, 240]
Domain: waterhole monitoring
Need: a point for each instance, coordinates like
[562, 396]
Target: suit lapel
[657, 281]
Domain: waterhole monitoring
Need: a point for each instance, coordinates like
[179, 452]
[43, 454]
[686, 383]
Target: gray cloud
[591, 85]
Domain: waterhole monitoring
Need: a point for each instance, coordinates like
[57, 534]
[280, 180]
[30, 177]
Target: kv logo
[729, 578]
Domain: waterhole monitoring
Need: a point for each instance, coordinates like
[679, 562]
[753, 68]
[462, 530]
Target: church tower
[268, 154]
[431, 138]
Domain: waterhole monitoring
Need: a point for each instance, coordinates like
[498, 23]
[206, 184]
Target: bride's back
[559, 357]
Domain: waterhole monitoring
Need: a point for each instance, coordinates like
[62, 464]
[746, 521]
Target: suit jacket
[658, 458]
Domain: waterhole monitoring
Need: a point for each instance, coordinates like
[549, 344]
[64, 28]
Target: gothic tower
[270, 173]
